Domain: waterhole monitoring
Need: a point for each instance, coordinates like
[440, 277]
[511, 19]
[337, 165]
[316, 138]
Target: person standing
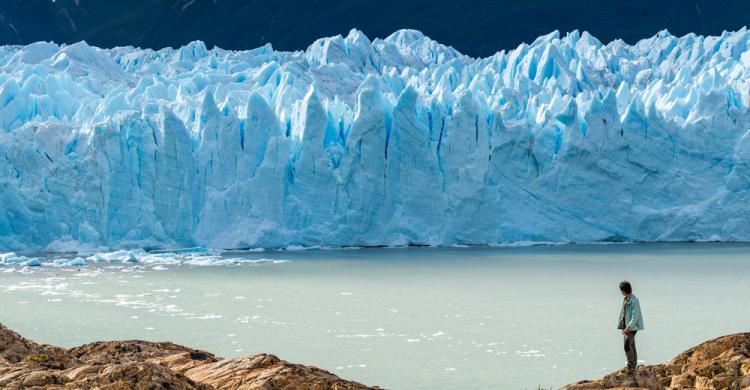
[631, 321]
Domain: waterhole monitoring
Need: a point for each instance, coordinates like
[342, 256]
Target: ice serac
[389, 141]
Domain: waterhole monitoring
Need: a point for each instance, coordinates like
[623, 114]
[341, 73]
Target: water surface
[413, 318]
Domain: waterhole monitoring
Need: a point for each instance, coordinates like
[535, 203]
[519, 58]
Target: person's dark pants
[630, 352]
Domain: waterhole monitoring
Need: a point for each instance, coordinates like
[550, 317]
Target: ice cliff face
[359, 142]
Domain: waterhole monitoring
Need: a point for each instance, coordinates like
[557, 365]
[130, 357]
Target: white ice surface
[355, 142]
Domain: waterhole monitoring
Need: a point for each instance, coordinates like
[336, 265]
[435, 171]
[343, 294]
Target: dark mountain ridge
[474, 27]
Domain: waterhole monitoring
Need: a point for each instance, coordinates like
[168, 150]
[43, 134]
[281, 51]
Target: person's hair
[625, 287]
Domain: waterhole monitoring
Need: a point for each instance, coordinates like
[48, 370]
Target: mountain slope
[475, 27]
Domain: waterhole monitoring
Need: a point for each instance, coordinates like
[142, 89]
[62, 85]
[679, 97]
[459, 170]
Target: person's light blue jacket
[632, 313]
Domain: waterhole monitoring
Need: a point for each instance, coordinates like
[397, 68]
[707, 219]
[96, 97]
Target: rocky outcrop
[722, 363]
[141, 365]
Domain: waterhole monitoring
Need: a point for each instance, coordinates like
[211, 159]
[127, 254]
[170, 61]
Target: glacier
[359, 142]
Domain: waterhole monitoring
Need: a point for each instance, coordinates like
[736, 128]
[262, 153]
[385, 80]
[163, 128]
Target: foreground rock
[722, 363]
[121, 365]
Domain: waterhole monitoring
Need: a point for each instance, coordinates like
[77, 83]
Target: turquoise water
[414, 318]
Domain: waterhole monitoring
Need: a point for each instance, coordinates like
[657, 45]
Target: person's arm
[635, 316]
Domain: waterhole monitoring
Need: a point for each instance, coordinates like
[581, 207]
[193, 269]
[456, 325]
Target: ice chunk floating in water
[383, 142]
[138, 258]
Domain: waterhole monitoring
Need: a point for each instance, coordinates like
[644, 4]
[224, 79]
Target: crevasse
[386, 142]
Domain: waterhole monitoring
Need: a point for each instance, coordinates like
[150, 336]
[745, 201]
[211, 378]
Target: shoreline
[141, 364]
[201, 256]
[314, 248]
[720, 363]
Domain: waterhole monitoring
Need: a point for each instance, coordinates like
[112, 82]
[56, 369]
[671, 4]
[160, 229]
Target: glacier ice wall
[359, 142]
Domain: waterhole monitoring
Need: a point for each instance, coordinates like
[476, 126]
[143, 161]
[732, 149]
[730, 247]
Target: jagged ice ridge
[385, 142]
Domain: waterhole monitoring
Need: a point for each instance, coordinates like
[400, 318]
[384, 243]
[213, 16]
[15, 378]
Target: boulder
[267, 372]
[142, 365]
[721, 363]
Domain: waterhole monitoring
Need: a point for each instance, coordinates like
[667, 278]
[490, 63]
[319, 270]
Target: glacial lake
[408, 318]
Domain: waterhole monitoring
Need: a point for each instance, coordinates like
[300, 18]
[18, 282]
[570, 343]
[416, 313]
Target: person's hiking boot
[632, 376]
